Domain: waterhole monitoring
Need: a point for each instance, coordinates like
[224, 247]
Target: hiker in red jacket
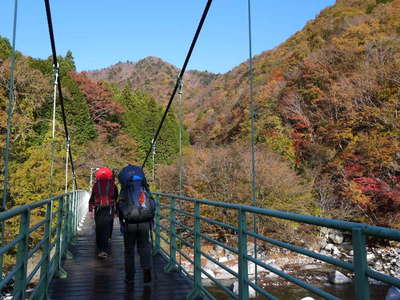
[102, 202]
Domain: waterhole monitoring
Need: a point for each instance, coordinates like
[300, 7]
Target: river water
[294, 292]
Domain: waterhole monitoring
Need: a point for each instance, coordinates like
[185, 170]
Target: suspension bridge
[63, 264]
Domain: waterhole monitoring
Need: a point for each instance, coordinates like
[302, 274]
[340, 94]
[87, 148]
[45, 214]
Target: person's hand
[91, 213]
[122, 228]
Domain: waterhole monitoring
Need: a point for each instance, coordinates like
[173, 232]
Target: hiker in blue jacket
[136, 212]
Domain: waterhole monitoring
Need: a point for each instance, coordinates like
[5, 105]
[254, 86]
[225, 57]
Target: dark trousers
[103, 218]
[111, 226]
[136, 234]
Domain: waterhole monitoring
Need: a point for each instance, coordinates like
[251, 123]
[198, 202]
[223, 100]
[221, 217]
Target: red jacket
[104, 193]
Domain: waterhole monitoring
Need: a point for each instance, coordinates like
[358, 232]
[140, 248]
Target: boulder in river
[252, 292]
[336, 277]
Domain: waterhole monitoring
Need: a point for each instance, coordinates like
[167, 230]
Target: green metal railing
[59, 218]
[169, 214]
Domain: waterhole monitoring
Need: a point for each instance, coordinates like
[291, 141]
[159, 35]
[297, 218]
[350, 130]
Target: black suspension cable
[10, 108]
[252, 140]
[8, 136]
[55, 63]
[179, 79]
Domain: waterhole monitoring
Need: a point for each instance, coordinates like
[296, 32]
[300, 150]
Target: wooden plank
[93, 278]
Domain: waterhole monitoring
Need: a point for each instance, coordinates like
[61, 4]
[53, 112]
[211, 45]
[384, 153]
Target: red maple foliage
[103, 110]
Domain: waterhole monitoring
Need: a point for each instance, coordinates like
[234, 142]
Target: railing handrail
[7, 214]
[377, 231]
[359, 265]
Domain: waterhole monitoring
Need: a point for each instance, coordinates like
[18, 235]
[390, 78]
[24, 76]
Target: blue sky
[102, 32]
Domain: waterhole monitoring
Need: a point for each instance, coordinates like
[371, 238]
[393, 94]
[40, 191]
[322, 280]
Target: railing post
[197, 254]
[64, 227]
[74, 211]
[243, 265]
[157, 239]
[172, 237]
[60, 236]
[360, 264]
[73, 216]
[22, 252]
[44, 269]
[78, 211]
[69, 218]
[77, 203]
[69, 224]
[2, 242]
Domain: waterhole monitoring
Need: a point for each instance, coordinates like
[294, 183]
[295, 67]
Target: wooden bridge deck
[91, 278]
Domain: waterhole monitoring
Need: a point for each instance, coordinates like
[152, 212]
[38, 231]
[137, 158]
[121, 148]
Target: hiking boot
[102, 254]
[146, 276]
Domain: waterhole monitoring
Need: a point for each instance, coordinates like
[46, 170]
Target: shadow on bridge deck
[91, 278]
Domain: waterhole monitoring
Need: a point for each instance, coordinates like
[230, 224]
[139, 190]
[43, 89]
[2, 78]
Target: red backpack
[104, 174]
[104, 187]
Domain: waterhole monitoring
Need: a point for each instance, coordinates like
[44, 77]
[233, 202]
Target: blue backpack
[139, 206]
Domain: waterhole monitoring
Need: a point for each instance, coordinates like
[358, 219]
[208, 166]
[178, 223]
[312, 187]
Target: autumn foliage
[103, 110]
[327, 100]
[327, 119]
[223, 174]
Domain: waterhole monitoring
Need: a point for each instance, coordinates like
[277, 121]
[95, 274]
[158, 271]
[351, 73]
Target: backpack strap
[107, 193]
[151, 233]
[106, 197]
[99, 192]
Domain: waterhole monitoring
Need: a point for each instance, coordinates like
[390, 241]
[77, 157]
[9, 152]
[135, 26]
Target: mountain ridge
[151, 75]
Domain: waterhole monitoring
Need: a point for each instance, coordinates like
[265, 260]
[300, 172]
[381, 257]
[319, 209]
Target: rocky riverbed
[334, 244]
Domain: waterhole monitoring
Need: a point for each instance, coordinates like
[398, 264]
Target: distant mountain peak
[151, 75]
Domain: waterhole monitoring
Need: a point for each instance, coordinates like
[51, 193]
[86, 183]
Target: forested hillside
[327, 102]
[108, 126]
[327, 118]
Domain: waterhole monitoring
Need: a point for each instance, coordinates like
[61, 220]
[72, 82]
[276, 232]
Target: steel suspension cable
[196, 35]
[180, 136]
[153, 174]
[53, 131]
[154, 163]
[60, 94]
[253, 135]
[66, 165]
[10, 108]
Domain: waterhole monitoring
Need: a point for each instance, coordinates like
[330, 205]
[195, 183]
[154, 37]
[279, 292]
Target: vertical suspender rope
[180, 137]
[189, 54]
[56, 72]
[66, 165]
[253, 142]
[60, 94]
[180, 150]
[74, 186]
[10, 108]
[154, 163]
[91, 178]
[53, 131]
